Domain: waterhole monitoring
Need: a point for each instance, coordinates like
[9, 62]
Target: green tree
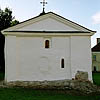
[14, 22]
[6, 20]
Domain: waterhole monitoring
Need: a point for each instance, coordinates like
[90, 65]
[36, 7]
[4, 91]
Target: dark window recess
[62, 63]
[47, 44]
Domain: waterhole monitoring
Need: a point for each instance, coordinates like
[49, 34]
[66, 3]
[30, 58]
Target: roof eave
[47, 33]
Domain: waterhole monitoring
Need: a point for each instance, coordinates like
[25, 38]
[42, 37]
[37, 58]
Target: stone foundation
[80, 83]
[80, 75]
[85, 86]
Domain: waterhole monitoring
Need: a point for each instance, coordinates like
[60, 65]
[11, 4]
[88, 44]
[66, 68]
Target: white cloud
[96, 18]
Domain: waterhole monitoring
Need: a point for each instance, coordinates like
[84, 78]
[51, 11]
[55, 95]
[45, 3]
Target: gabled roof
[96, 48]
[52, 15]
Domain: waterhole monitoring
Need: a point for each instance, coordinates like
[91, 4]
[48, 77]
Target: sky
[83, 12]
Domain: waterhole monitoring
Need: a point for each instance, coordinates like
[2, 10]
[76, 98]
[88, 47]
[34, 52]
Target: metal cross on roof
[43, 3]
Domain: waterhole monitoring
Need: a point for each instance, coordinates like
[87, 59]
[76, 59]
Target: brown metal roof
[96, 48]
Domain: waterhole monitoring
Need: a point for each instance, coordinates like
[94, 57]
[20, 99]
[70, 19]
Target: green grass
[30, 94]
[96, 78]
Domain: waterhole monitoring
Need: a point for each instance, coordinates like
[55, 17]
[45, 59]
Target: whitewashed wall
[81, 59]
[28, 60]
[33, 62]
[10, 58]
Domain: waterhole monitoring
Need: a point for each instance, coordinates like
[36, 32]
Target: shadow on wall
[2, 58]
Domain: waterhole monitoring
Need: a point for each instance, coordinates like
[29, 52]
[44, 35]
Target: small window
[94, 57]
[62, 63]
[47, 44]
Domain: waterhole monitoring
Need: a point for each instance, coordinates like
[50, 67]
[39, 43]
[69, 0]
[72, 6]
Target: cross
[44, 3]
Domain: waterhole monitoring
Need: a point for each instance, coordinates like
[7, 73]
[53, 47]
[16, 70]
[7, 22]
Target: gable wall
[47, 24]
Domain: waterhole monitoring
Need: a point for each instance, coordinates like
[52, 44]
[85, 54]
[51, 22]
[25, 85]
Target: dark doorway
[95, 69]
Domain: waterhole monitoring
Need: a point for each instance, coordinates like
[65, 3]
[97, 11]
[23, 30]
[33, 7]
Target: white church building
[47, 47]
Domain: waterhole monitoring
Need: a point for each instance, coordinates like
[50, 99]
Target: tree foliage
[6, 20]
[14, 22]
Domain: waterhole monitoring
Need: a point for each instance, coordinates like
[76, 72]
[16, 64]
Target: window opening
[47, 44]
[62, 63]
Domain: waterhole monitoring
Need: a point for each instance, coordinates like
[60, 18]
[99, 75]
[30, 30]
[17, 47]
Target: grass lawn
[96, 78]
[30, 94]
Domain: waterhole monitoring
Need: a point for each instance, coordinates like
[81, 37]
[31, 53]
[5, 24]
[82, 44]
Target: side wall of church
[81, 59]
[27, 59]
